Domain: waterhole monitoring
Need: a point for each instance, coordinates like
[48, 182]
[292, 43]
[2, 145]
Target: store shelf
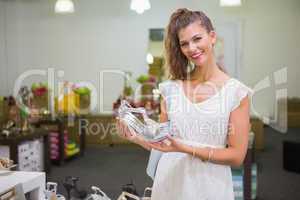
[28, 147]
[58, 126]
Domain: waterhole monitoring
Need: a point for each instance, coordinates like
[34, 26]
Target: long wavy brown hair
[176, 60]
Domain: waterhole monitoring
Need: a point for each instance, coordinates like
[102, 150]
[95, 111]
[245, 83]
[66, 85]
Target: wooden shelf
[16, 139]
[60, 124]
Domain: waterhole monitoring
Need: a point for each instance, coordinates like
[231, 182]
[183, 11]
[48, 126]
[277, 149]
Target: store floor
[111, 167]
[274, 183]
[106, 167]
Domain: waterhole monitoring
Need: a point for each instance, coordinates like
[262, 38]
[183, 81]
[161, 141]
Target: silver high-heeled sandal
[149, 129]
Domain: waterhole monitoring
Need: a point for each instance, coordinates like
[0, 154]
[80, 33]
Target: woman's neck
[204, 73]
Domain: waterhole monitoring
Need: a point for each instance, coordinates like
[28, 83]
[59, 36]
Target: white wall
[105, 34]
[3, 77]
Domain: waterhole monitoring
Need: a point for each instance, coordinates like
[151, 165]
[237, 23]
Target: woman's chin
[199, 62]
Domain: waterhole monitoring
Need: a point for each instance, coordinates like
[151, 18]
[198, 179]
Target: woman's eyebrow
[196, 35]
[182, 41]
[193, 37]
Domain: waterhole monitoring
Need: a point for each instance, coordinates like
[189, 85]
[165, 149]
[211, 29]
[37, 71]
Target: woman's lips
[196, 56]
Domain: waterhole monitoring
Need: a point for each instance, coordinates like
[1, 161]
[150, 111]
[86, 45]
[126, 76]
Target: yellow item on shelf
[71, 152]
[71, 146]
[82, 103]
[70, 102]
[67, 99]
[67, 104]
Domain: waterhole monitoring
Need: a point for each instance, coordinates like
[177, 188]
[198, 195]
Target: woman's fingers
[121, 128]
[170, 137]
[160, 146]
[124, 130]
[155, 146]
[127, 131]
[168, 142]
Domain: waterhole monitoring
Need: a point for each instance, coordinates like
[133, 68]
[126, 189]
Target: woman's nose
[192, 46]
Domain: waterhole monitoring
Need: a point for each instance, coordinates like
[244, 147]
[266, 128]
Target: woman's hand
[125, 132]
[170, 144]
[130, 135]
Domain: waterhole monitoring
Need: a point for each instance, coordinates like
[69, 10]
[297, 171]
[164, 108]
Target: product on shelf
[6, 163]
[71, 186]
[98, 194]
[30, 155]
[70, 147]
[54, 145]
[50, 192]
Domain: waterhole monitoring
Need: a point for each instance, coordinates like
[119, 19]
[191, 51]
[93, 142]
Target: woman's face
[196, 43]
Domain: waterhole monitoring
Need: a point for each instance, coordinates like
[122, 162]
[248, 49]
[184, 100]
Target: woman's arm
[234, 155]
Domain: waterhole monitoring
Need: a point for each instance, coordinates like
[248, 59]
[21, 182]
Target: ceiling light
[226, 3]
[140, 5]
[149, 58]
[64, 6]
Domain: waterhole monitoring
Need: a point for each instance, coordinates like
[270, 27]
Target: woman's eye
[183, 44]
[198, 38]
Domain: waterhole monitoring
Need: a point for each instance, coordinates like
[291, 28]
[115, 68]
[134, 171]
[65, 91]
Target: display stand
[59, 123]
[15, 140]
[60, 129]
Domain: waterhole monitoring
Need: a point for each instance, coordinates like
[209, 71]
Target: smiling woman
[209, 112]
[182, 43]
[191, 39]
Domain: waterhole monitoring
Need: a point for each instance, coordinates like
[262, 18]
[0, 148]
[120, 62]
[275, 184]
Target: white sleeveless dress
[178, 176]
